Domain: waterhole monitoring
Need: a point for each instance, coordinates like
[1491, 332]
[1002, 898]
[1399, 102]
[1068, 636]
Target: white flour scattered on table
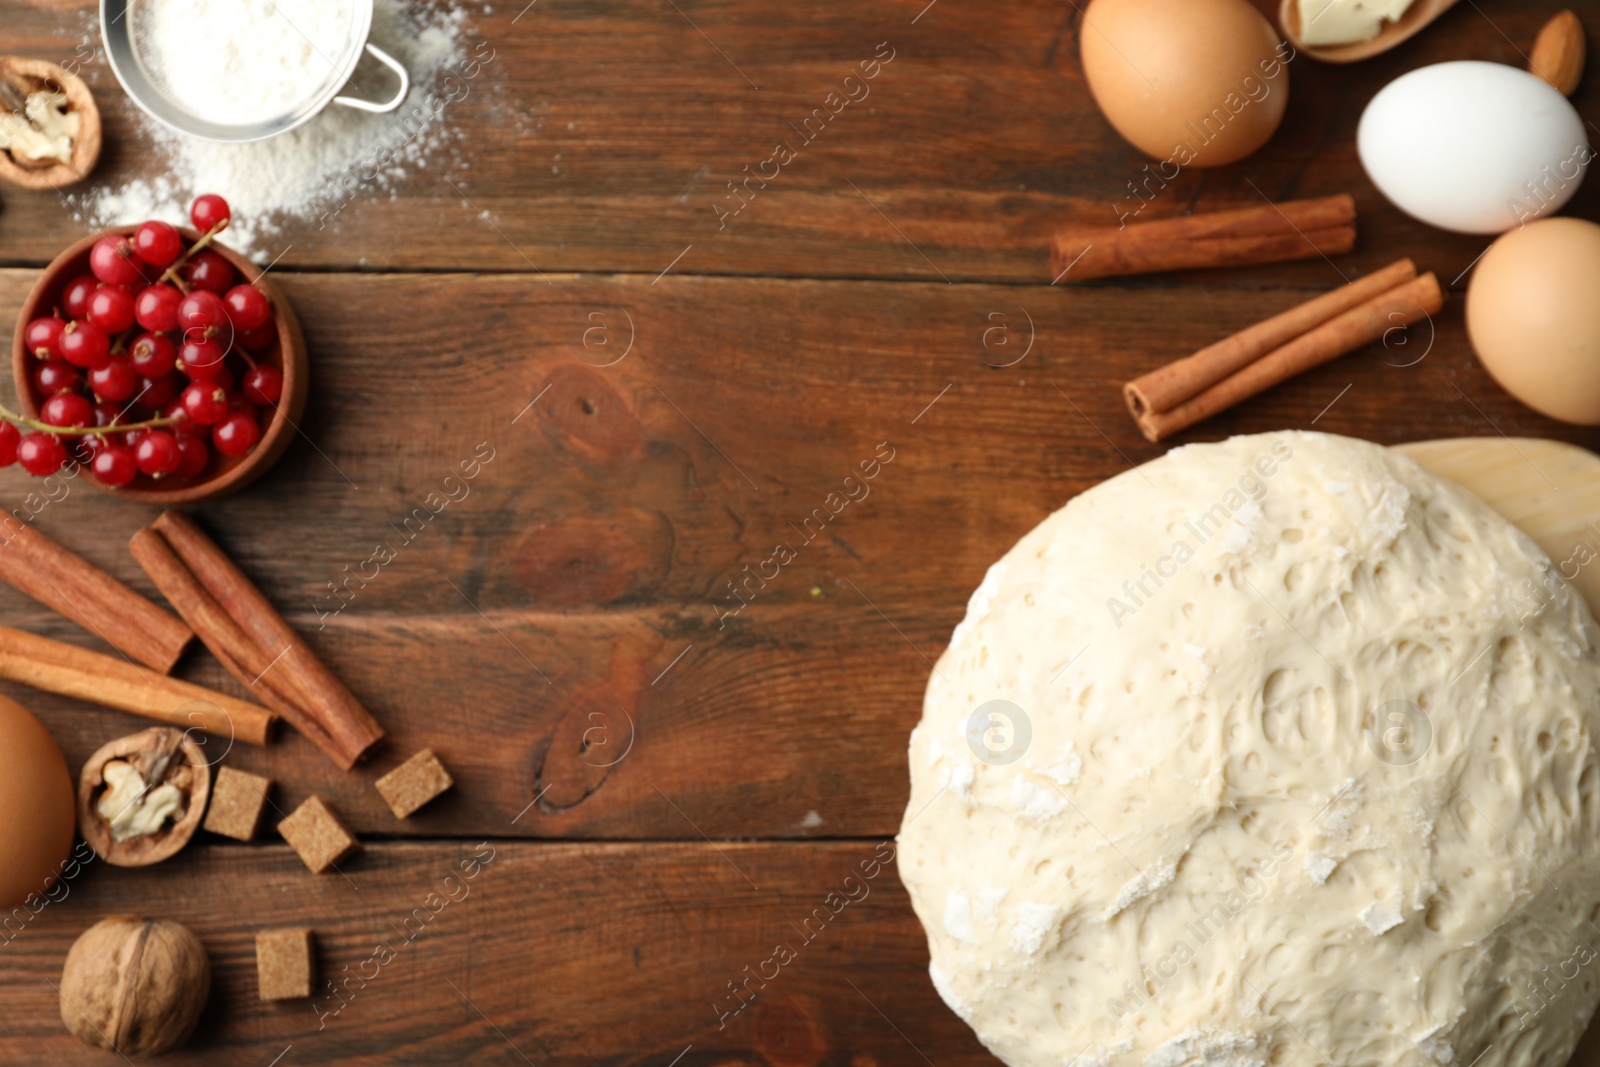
[304, 177]
[238, 62]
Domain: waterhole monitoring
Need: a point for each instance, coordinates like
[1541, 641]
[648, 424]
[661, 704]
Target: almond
[1559, 51]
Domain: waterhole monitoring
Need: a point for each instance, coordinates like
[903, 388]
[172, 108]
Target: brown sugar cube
[237, 799]
[283, 963]
[414, 783]
[315, 832]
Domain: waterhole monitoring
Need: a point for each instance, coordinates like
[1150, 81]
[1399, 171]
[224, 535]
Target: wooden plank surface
[558, 630]
[604, 135]
[582, 954]
[578, 588]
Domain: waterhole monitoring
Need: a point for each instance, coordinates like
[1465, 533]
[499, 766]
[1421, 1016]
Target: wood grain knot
[787, 1032]
[589, 415]
[588, 743]
[591, 560]
[599, 731]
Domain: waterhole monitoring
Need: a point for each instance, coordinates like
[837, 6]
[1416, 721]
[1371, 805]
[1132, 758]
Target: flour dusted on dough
[1324, 789]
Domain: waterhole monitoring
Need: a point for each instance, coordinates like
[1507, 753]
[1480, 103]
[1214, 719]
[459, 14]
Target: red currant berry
[157, 453]
[205, 402]
[41, 454]
[55, 376]
[111, 309]
[196, 456]
[114, 261]
[113, 378]
[83, 344]
[114, 465]
[84, 446]
[208, 210]
[158, 244]
[202, 360]
[263, 385]
[203, 310]
[42, 335]
[259, 340]
[106, 413]
[156, 393]
[209, 271]
[75, 297]
[152, 354]
[157, 307]
[181, 422]
[9, 436]
[248, 307]
[236, 434]
[66, 409]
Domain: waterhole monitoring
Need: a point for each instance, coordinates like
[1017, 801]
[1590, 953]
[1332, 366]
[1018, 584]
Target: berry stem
[81, 431]
[171, 273]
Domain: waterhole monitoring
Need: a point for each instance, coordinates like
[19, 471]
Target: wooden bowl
[1418, 17]
[225, 473]
[27, 76]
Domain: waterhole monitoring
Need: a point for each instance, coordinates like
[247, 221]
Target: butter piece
[1333, 22]
[128, 814]
[45, 130]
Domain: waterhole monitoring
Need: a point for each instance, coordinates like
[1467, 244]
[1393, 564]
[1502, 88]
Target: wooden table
[667, 791]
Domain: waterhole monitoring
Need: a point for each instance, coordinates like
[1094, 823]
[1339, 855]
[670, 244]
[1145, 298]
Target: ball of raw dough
[1274, 751]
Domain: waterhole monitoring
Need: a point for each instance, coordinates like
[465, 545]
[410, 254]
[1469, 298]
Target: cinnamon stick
[1262, 233]
[276, 687]
[57, 667]
[350, 727]
[1361, 325]
[74, 587]
[1166, 388]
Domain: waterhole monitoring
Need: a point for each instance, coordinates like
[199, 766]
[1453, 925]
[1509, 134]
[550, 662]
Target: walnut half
[52, 103]
[141, 797]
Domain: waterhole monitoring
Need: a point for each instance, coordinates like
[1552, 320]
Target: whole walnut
[135, 986]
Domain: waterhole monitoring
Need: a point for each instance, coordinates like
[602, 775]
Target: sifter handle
[388, 105]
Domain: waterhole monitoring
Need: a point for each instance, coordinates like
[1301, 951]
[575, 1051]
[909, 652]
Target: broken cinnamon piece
[1262, 233]
[1166, 388]
[69, 584]
[1361, 325]
[349, 727]
[317, 835]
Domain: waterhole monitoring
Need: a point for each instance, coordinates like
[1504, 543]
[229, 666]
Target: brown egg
[36, 796]
[1194, 83]
[1534, 319]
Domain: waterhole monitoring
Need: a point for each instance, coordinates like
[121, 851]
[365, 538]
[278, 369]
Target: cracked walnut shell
[141, 797]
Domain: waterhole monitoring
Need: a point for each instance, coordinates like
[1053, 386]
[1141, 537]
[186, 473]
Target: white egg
[1473, 147]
